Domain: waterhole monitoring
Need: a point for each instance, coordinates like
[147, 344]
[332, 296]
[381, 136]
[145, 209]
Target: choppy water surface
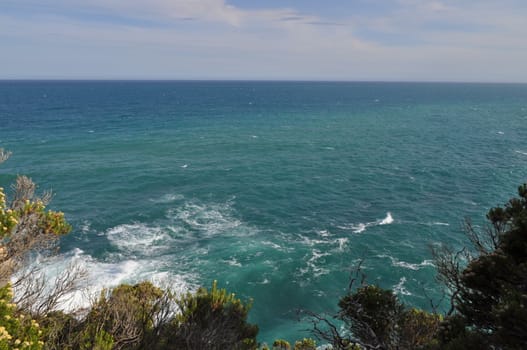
[274, 189]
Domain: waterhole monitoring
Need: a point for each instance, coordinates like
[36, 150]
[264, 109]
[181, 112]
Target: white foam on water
[429, 223]
[139, 239]
[273, 245]
[208, 219]
[500, 133]
[400, 289]
[312, 266]
[406, 265]
[102, 275]
[361, 227]
[387, 220]
[168, 198]
[438, 223]
[313, 242]
[85, 226]
[143, 251]
[323, 233]
[342, 243]
[184, 166]
[233, 262]
[521, 152]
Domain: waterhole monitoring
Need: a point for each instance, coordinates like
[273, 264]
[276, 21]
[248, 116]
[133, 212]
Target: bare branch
[23, 189]
[38, 295]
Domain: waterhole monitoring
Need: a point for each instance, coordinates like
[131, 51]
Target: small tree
[489, 289]
[26, 227]
[305, 344]
[128, 317]
[374, 318]
[211, 320]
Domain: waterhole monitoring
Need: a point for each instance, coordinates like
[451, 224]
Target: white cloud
[434, 41]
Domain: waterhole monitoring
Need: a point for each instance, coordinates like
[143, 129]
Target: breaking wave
[361, 227]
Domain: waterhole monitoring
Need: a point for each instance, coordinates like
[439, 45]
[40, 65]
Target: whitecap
[387, 220]
[500, 133]
[361, 227]
[521, 152]
[342, 243]
[438, 223]
[312, 263]
[184, 166]
[399, 288]
[323, 233]
[406, 265]
[233, 262]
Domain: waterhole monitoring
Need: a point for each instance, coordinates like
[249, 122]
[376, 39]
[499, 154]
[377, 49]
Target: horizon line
[138, 80]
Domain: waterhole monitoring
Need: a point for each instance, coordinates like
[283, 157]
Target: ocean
[274, 189]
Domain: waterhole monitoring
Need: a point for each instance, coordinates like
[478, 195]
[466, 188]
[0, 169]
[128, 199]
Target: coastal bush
[17, 330]
[376, 319]
[127, 317]
[211, 319]
[305, 344]
[26, 228]
[489, 292]
[281, 344]
[61, 331]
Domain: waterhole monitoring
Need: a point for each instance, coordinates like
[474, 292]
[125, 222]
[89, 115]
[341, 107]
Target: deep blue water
[275, 189]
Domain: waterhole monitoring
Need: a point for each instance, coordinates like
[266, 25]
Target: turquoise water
[274, 189]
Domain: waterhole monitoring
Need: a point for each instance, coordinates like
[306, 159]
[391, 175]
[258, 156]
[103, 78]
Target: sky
[344, 40]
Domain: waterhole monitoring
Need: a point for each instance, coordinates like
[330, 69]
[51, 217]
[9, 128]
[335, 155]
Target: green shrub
[16, 329]
[281, 344]
[211, 319]
[305, 344]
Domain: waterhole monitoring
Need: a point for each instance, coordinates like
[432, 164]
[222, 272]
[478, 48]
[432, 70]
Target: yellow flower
[4, 334]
